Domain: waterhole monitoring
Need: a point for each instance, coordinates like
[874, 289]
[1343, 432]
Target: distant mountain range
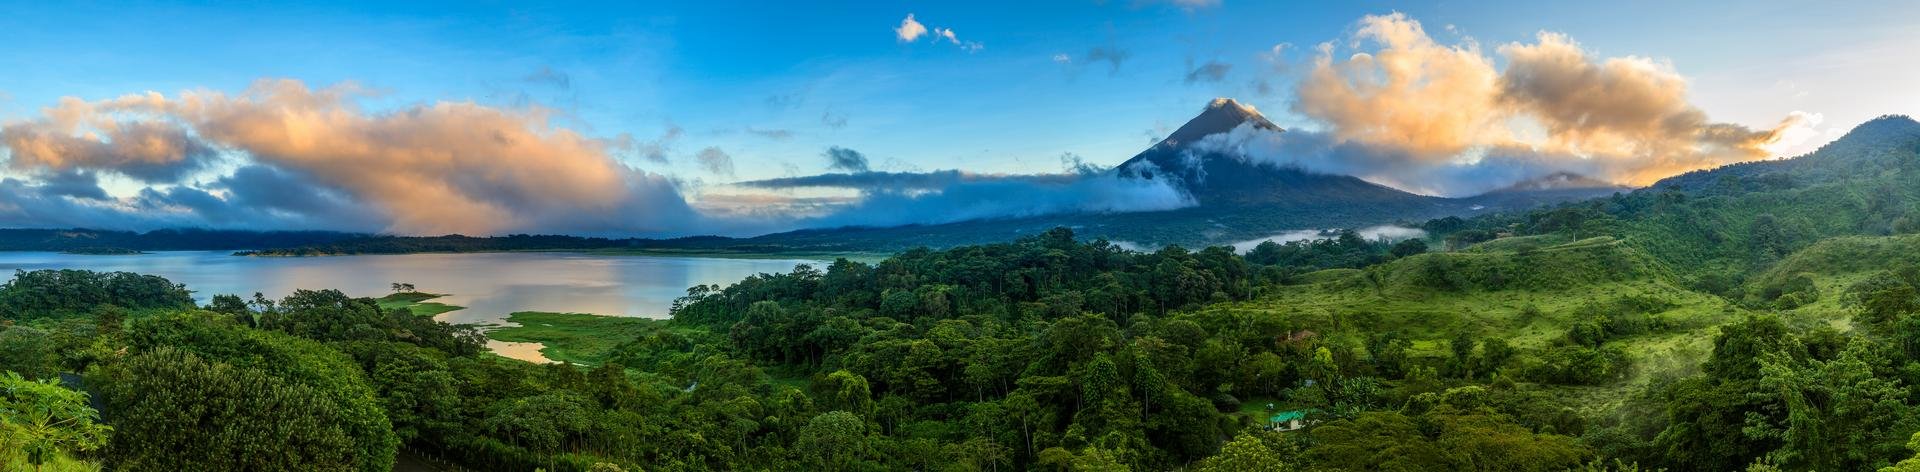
[1237, 199]
[1227, 212]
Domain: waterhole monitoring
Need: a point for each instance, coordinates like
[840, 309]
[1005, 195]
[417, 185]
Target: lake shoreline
[475, 288]
[572, 338]
[503, 338]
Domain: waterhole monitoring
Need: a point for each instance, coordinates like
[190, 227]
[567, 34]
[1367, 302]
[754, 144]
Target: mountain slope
[1877, 146]
[1716, 225]
[1215, 178]
[1238, 200]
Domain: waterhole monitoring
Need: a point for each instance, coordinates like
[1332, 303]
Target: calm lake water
[489, 285]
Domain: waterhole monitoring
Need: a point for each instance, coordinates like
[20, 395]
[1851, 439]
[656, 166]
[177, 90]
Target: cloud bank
[1371, 233]
[1406, 110]
[949, 196]
[880, 198]
[283, 155]
[901, 181]
[445, 167]
[78, 135]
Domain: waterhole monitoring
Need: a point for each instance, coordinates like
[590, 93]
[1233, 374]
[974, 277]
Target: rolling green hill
[1528, 296]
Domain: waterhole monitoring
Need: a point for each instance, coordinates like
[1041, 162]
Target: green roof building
[1288, 420]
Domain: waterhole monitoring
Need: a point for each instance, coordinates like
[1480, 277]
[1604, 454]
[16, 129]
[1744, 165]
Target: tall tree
[174, 410]
[43, 420]
[834, 440]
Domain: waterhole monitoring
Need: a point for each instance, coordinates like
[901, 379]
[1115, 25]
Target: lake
[489, 285]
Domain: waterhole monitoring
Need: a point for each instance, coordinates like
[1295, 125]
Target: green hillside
[1848, 255]
[1527, 297]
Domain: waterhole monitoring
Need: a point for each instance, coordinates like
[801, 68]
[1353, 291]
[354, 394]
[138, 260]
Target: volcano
[1216, 178]
[1236, 198]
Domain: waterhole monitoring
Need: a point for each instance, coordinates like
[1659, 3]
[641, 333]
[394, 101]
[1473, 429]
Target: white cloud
[909, 30]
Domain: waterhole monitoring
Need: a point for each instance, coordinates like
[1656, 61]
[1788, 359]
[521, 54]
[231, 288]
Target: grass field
[576, 338]
[417, 303]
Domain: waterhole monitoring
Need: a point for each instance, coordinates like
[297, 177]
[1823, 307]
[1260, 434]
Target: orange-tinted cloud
[431, 168]
[74, 135]
[1632, 110]
[1410, 93]
[1626, 119]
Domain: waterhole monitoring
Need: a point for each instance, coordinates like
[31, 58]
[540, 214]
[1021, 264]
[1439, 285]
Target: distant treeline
[449, 243]
[512, 242]
[97, 241]
[312, 243]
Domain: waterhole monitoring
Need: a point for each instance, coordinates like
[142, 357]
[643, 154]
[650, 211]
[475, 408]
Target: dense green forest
[1756, 317]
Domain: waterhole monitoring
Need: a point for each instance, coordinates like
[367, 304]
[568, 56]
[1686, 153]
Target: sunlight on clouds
[1804, 129]
[1411, 93]
[311, 158]
[434, 168]
[75, 135]
[1414, 102]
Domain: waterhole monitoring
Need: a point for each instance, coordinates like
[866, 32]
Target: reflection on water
[490, 285]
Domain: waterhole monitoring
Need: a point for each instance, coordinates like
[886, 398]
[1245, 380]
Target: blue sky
[808, 76]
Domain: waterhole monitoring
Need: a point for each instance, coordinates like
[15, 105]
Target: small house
[1287, 420]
